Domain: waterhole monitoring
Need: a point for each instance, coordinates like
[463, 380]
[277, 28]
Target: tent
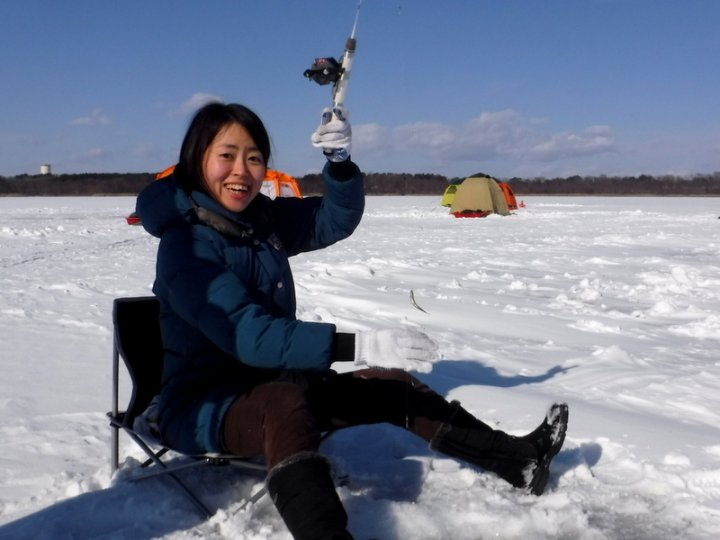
[279, 184]
[276, 184]
[479, 196]
[449, 195]
[509, 195]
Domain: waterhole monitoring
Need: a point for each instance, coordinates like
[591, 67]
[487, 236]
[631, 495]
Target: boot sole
[559, 414]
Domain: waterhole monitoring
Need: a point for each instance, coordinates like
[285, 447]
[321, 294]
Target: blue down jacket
[227, 299]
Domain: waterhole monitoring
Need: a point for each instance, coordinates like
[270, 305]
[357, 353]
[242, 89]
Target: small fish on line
[414, 303]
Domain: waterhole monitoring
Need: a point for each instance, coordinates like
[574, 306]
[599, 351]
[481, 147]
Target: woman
[242, 375]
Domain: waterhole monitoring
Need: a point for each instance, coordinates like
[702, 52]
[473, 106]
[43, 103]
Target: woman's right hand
[334, 134]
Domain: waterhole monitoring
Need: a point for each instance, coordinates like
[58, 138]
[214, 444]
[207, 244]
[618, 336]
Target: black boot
[524, 462]
[304, 493]
[547, 439]
[512, 459]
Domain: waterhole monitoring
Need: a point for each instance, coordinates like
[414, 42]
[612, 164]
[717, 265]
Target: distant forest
[383, 184]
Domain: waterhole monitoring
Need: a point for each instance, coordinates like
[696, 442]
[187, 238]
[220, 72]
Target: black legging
[280, 418]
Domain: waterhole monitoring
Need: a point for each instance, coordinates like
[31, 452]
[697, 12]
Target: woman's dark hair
[204, 127]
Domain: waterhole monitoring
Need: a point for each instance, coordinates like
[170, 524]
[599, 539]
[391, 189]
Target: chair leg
[155, 459]
[149, 462]
[252, 500]
[114, 440]
[204, 510]
[114, 450]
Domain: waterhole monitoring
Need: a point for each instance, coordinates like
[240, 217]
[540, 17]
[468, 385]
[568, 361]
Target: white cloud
[424, 136]
[96, 118]
[196, 101]
[593, 140]
[488, 136]
[146, 150]
[371, 137]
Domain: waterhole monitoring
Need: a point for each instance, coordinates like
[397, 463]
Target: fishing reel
[327, 70]
[324, 71]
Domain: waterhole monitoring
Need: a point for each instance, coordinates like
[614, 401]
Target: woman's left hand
[396, 348]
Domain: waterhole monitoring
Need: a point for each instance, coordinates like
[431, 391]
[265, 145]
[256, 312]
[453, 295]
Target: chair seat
[138, 341]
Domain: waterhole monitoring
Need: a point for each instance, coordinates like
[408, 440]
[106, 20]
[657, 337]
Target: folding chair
[138, 341]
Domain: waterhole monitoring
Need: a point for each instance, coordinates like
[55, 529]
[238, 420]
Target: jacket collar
[235, 224]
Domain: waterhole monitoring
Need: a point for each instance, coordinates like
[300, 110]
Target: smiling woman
[243, 375]
[233, 168]
[225, 145]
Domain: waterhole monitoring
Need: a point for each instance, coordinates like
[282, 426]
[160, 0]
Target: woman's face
[233, 168]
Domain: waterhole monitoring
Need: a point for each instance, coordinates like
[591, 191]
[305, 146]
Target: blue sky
[508, 87]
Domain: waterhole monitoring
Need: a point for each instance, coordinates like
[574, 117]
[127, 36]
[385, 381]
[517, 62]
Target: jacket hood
[162, 204]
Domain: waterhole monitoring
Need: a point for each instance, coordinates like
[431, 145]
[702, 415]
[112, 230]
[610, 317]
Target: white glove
[334, 134]
[396, 348]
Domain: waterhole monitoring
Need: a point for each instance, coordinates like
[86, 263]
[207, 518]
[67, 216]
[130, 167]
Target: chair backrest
[136, 323]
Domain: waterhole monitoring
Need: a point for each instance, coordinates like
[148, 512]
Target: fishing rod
[328, 70]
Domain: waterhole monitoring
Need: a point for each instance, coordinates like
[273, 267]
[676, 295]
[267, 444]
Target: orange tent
[276, 183]
[509, 195]
[279, 184]
[166, 172]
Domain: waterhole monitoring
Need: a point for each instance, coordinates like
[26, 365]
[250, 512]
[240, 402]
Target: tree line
[75, 184]
[383, 184]
[698, 185]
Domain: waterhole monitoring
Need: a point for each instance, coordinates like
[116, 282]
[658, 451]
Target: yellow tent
[449, 195]
[479, 196]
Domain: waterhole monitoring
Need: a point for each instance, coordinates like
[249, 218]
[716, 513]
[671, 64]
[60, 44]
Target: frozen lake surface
[611, 304]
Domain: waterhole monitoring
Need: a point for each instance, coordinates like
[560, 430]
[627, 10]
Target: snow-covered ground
[612, 304]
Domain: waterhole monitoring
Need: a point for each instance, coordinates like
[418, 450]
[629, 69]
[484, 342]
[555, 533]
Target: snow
[610, 304]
